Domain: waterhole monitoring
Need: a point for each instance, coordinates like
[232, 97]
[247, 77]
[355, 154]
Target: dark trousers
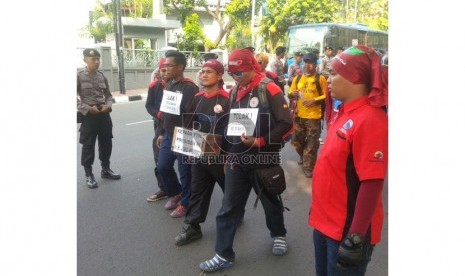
[168, 175]
[238, 184]
[325, 257]
[203, 181]
[156, 151]
[95, 127]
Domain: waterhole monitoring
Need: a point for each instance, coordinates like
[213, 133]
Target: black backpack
[320, 92]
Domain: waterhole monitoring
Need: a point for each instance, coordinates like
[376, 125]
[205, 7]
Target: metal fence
[145, 58]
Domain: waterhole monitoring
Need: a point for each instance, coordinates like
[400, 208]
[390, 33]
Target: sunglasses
[236, 74]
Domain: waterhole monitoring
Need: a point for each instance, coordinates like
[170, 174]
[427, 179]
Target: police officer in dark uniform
[94, 102]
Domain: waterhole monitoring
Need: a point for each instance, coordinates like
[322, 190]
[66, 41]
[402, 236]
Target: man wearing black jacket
[273, 124]
[154, 97]
[186, 89]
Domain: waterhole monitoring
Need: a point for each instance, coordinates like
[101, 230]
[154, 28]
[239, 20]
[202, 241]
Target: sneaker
[187, 235]
[157, 196]
[216, 263]
[180, 211]
[279, 246]
[172, 202]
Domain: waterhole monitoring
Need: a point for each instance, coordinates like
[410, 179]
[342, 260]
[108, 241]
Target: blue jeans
[325, 257]
[238, 184]
[165, 166]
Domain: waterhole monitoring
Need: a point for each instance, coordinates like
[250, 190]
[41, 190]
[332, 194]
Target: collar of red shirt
[354, 104]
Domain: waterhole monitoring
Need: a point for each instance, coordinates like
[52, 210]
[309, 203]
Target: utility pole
[119, 44]
[253, 23]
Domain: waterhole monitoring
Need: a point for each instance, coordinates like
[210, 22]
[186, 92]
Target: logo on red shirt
[379, 155]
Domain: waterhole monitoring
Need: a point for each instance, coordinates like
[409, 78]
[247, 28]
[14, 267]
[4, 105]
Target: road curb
[125, 99]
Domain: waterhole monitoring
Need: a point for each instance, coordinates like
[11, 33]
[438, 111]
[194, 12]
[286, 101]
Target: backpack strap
[232, 96]
[262, 92]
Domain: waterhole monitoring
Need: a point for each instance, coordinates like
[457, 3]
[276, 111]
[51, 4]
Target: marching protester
[206, 57]
[154, 97]
[347, 210]
[184, 88]
[262, 59]
[262, 140]
[309, 91]
[211, 109]
[94, 102]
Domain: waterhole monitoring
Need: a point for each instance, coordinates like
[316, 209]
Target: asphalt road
[119, 233]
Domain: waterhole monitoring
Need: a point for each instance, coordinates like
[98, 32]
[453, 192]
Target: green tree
[102, 17]
[285, 13]
[137, 8]
[237, 12]
[240, 36]
[193, 37]
[102, 21]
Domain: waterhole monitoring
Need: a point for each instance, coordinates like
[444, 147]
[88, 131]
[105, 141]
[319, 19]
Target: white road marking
[141, 122]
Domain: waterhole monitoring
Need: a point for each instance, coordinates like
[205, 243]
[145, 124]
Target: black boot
[108, 173]
[90, 181]
[188, 235]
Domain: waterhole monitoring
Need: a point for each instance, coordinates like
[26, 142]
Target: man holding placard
[176, 103]
[211, 108]
[258, 123]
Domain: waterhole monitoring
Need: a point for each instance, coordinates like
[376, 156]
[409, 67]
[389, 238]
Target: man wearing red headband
[241, 172]
[211, 106]
[154, 97]
[347, 209]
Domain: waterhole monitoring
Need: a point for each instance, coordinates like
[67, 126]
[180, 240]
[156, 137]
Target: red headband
[242, 60]
[162, 63]
[362, 65]
[217, 66]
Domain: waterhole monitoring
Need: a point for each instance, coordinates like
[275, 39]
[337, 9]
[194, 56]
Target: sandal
[216, 263]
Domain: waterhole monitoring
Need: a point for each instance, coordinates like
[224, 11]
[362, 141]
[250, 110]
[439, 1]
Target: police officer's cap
[209, 56]
[310, 57]
[91, 53]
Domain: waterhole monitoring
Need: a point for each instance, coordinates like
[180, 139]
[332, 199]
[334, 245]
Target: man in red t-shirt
[347, 210]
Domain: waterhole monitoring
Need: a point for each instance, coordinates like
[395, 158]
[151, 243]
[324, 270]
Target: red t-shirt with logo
[355, 150]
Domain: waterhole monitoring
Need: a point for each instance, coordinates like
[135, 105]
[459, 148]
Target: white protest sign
[242, 120]
[171, 102]
[187, 142]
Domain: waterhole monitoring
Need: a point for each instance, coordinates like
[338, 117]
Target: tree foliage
[234, 21]
[285, 13]
[137, 8]
[193, 37]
